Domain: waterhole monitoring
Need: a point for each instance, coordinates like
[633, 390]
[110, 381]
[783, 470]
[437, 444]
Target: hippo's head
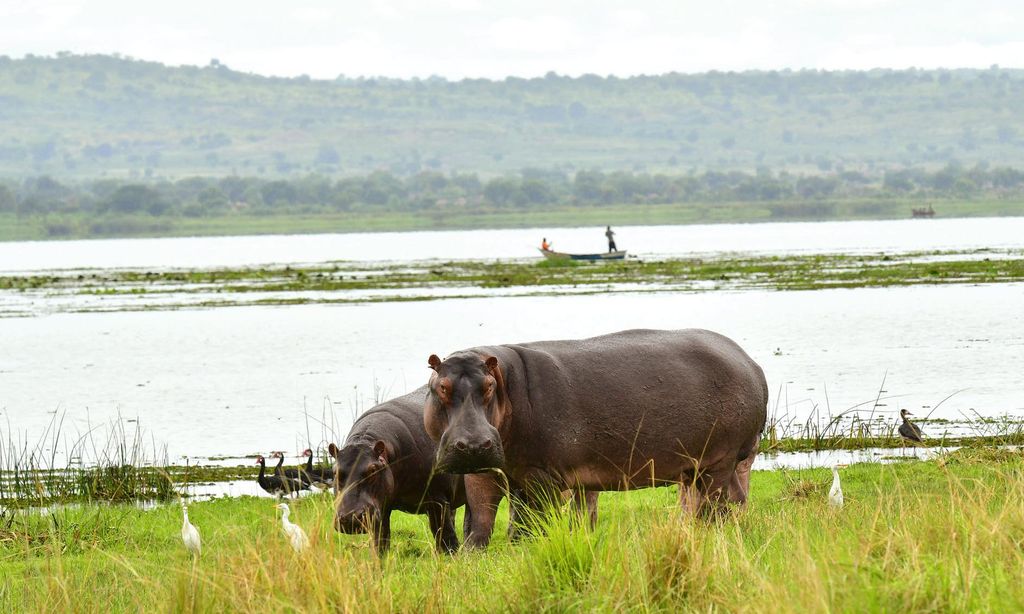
[363, 484]
[466, 408]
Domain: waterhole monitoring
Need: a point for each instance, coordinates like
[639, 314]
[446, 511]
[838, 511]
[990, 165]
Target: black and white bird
[276, 485]
[190, 534]
[322, 477]
[293, 473]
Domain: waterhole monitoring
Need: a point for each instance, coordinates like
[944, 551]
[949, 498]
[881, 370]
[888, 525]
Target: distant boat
[551, 255]
[922, 211]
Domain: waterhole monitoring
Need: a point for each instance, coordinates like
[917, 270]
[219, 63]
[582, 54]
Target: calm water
[241, 380]
[793, 237]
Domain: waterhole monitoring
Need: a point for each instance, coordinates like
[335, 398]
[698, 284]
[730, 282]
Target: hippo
[632, 409]
[386, 464]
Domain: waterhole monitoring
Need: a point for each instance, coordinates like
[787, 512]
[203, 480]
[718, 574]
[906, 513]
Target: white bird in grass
[190, 534]
[835, 494]
[294, 532]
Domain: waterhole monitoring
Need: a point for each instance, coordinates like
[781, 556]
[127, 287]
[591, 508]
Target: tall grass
[935, 536]
[872, 424]
[111, 462]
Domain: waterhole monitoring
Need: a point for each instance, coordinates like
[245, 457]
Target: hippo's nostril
[460, 445]
[487, 444]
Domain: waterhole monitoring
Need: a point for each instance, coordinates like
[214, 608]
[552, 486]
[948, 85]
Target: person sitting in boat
[544, 245]
[611, 239]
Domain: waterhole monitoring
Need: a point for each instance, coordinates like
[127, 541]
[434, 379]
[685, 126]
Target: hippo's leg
[713, 486]
[739, 486]
[467, 522]
[584, 503]
[528, 506]
[517, 514]
[442, 525]
[382, 533]
[689, 495]
[483, 494]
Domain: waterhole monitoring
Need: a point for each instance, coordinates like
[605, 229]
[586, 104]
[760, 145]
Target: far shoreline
[81, 227]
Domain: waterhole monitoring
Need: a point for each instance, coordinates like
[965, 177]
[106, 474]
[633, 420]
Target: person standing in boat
[544, 245]
[611, 239]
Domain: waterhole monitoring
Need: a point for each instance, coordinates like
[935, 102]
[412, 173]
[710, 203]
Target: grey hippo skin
[385, 465]
[632, 409]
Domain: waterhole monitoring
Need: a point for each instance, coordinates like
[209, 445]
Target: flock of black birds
[292, 480]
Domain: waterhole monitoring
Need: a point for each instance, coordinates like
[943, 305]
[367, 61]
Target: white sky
[473, 38]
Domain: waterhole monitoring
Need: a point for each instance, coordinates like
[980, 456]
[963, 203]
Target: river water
[645, 241]
[243, 380]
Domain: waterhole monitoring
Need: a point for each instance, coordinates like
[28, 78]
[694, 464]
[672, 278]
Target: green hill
[89, 116]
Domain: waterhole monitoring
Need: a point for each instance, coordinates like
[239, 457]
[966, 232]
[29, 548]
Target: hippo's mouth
[355, 524]
[461, 462]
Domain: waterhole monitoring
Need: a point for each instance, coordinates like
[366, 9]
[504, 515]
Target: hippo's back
[643, 394]
[401, 416]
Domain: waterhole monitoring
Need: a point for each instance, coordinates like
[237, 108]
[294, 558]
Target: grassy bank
[937, 536]
[83, 226]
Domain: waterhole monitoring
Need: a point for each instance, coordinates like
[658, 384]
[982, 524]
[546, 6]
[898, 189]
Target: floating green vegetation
[360, 283]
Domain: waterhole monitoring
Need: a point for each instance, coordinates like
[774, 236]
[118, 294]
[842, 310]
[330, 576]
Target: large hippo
[626, 410]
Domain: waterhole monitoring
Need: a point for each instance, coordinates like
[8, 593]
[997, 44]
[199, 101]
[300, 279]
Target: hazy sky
[458, 38]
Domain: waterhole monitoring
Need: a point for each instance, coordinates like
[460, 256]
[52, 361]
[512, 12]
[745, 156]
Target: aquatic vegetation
[341, 282]
[59, 469]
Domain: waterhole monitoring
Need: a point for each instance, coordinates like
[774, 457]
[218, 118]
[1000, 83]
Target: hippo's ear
[380, 450]
[491, 362]
[333, 450]
[434, 362]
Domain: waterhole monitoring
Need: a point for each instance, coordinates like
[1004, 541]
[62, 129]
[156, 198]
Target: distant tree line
[382, 191]
[82, 116]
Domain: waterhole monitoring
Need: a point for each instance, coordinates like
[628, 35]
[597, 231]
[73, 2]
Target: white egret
[835, 494]
[190, 534]
[294, 532]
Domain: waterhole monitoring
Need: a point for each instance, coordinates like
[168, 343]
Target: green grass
[70, 226]
[934, 536]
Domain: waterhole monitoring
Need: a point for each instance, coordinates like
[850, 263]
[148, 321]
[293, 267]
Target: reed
[111, 462]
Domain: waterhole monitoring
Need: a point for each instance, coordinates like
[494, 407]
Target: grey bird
[908, 430]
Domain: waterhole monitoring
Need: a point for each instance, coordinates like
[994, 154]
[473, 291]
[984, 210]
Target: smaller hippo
[385, 465]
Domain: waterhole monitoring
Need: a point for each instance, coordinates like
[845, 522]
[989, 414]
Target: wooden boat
[552, 255]
[922, 212]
